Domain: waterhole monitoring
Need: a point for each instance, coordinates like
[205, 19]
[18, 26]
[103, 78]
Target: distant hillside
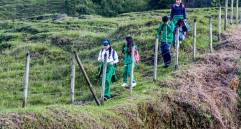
[12, 9]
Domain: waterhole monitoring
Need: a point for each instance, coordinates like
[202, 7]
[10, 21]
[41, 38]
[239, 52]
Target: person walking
[165, 36]
[127, 57]
[108, 53]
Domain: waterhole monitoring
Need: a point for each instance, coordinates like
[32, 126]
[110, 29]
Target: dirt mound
[176, 112]
[210, 86]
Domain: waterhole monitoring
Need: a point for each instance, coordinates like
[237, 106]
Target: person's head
[180, 23]
[106, 43]
[130, 43]
[178, 2]
[165, 19]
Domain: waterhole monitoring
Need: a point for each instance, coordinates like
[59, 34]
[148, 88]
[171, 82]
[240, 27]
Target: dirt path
[211, 84]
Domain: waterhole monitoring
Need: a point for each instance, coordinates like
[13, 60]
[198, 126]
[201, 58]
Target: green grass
[50, 63]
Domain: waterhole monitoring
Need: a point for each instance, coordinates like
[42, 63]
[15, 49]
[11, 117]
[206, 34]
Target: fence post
[237, 11]
[132, 68]
[239, 17]
[72, 78]
[219, 23]
[210, 35]
[226, 15]
[26, 80]
[86, 78]
[177, 48]
[104, 68]
[231, 19]
[194, 39]
[156, 59]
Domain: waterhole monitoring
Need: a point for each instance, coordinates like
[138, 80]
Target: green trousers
[110, 76]
[126, 73]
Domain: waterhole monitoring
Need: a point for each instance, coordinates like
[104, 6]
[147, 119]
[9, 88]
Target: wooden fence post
[177, 48]
[26, 80]
[232, 4]
[220, 23]
[226, 15]
[104, 68]
[237, 11]
[194, 46]
[156, 59]
[210, 35]
[86, 78]
[72, 79]
[132, 68]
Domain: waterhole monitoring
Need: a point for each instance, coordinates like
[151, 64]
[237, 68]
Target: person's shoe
[124, 85]
[133, 83]
[107, 98]
[165, 66]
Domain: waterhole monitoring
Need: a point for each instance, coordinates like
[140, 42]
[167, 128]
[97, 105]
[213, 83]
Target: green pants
[126, 73]
[110, 71]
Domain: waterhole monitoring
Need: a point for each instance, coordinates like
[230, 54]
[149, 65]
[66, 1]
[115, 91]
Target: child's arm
[170, 27]
[172, 12]
[100, 56]
[116, 58]
[159, 30]
[184, 13]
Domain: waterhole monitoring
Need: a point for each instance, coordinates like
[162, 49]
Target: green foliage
[20, 9]
[163, 4]
[50, 44]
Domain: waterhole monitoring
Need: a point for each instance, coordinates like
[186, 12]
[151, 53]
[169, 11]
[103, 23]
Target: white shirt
[110, 59]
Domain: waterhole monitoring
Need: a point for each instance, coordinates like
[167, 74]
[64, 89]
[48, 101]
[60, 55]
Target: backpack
[113, 53]
[137, 56]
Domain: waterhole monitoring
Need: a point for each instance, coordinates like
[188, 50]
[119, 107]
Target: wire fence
[49, 75]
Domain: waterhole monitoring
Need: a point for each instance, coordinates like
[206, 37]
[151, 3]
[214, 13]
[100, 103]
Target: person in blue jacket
[178, 11]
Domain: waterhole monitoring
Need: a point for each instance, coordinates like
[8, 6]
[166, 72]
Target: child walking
[127, 53]
[108, 53]
[165, 36]
[178, 11]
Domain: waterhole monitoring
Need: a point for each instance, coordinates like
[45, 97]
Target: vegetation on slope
[50, 44]
[20, 8]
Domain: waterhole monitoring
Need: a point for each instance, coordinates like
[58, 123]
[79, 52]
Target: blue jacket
[178, 11]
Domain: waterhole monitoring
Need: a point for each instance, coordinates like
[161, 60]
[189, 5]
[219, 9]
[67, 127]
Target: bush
[28, 29]
[7, 37]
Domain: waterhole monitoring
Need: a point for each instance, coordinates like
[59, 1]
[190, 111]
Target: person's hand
[111, 63]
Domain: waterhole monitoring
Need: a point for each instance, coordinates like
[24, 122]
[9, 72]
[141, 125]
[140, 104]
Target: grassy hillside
[50, 44]
[11, 9]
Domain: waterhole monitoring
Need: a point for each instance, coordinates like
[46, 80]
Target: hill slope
[50, 44]
[202, 96]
